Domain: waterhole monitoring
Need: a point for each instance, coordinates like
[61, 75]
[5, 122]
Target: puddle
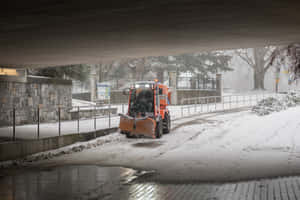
[68, 182]
[148, 144]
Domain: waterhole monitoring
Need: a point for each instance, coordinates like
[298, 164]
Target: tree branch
[245, 58]
[271, 59]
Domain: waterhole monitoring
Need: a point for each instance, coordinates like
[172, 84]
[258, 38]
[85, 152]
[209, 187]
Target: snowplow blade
[137, 126]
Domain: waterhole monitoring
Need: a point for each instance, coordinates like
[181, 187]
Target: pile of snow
[271, 104]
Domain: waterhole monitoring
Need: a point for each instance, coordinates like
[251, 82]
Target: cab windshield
[141, 101]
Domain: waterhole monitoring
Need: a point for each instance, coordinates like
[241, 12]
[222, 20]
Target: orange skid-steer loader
[147, 114]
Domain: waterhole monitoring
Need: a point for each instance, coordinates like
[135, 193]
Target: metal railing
[63, 120]
[196, 82]
[221, 103]
[82, 119]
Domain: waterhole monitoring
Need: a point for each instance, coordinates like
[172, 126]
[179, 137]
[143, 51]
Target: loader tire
[128, 135]
[159, 129]
[167, 124]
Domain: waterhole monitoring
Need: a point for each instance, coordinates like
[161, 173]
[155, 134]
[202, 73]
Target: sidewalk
[26, 132]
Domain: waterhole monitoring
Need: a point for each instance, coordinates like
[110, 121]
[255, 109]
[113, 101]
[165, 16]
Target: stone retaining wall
[26, 96]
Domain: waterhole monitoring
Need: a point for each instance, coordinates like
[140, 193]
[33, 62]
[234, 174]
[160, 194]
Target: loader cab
[147, 98]
[148, 114]
[141, 99]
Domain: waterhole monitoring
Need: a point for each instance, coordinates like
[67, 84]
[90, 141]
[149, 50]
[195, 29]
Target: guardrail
[82, 119]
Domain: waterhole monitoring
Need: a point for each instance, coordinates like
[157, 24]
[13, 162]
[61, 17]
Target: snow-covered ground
[215, 146]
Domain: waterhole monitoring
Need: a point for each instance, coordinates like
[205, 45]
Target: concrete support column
[173, 87]
[93, 83]
[219, 84]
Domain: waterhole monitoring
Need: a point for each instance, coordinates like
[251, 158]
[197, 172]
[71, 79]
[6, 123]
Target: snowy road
[212, 147]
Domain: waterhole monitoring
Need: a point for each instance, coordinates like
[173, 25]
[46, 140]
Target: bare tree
[137, 67]
[288, 54]
[257, 59]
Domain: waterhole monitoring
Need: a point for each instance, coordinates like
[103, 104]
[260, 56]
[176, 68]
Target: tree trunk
[160, 75]
[259, 78]
[140, 69]
[133, 73]
[258, 68]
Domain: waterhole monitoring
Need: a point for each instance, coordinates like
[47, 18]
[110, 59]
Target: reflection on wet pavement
[94, 182]
[69, 182]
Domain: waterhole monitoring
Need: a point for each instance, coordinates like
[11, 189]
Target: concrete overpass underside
[56, 32]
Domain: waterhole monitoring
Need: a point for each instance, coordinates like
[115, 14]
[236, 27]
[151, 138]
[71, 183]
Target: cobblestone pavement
[266, 189]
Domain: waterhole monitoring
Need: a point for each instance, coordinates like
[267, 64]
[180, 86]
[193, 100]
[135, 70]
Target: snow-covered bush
[271, 104]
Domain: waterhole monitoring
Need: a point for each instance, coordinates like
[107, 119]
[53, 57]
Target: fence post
[109, 115]
[236, 100]
[223, 101]
[256, 98]
[59, 124]
[38, 122]
[14, 123]
[181, 111]
[123, 108]
[78, 117]
[202, 105]
[95, 119]
[215, 103]
[207, 102]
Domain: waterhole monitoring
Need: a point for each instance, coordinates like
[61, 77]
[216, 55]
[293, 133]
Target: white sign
[103, 91]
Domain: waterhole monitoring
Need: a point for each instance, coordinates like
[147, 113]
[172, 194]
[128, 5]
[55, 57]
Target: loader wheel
[167, 124]
[128, 135]
[159, 129]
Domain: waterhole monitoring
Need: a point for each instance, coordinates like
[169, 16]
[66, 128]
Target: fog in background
[241, 78]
